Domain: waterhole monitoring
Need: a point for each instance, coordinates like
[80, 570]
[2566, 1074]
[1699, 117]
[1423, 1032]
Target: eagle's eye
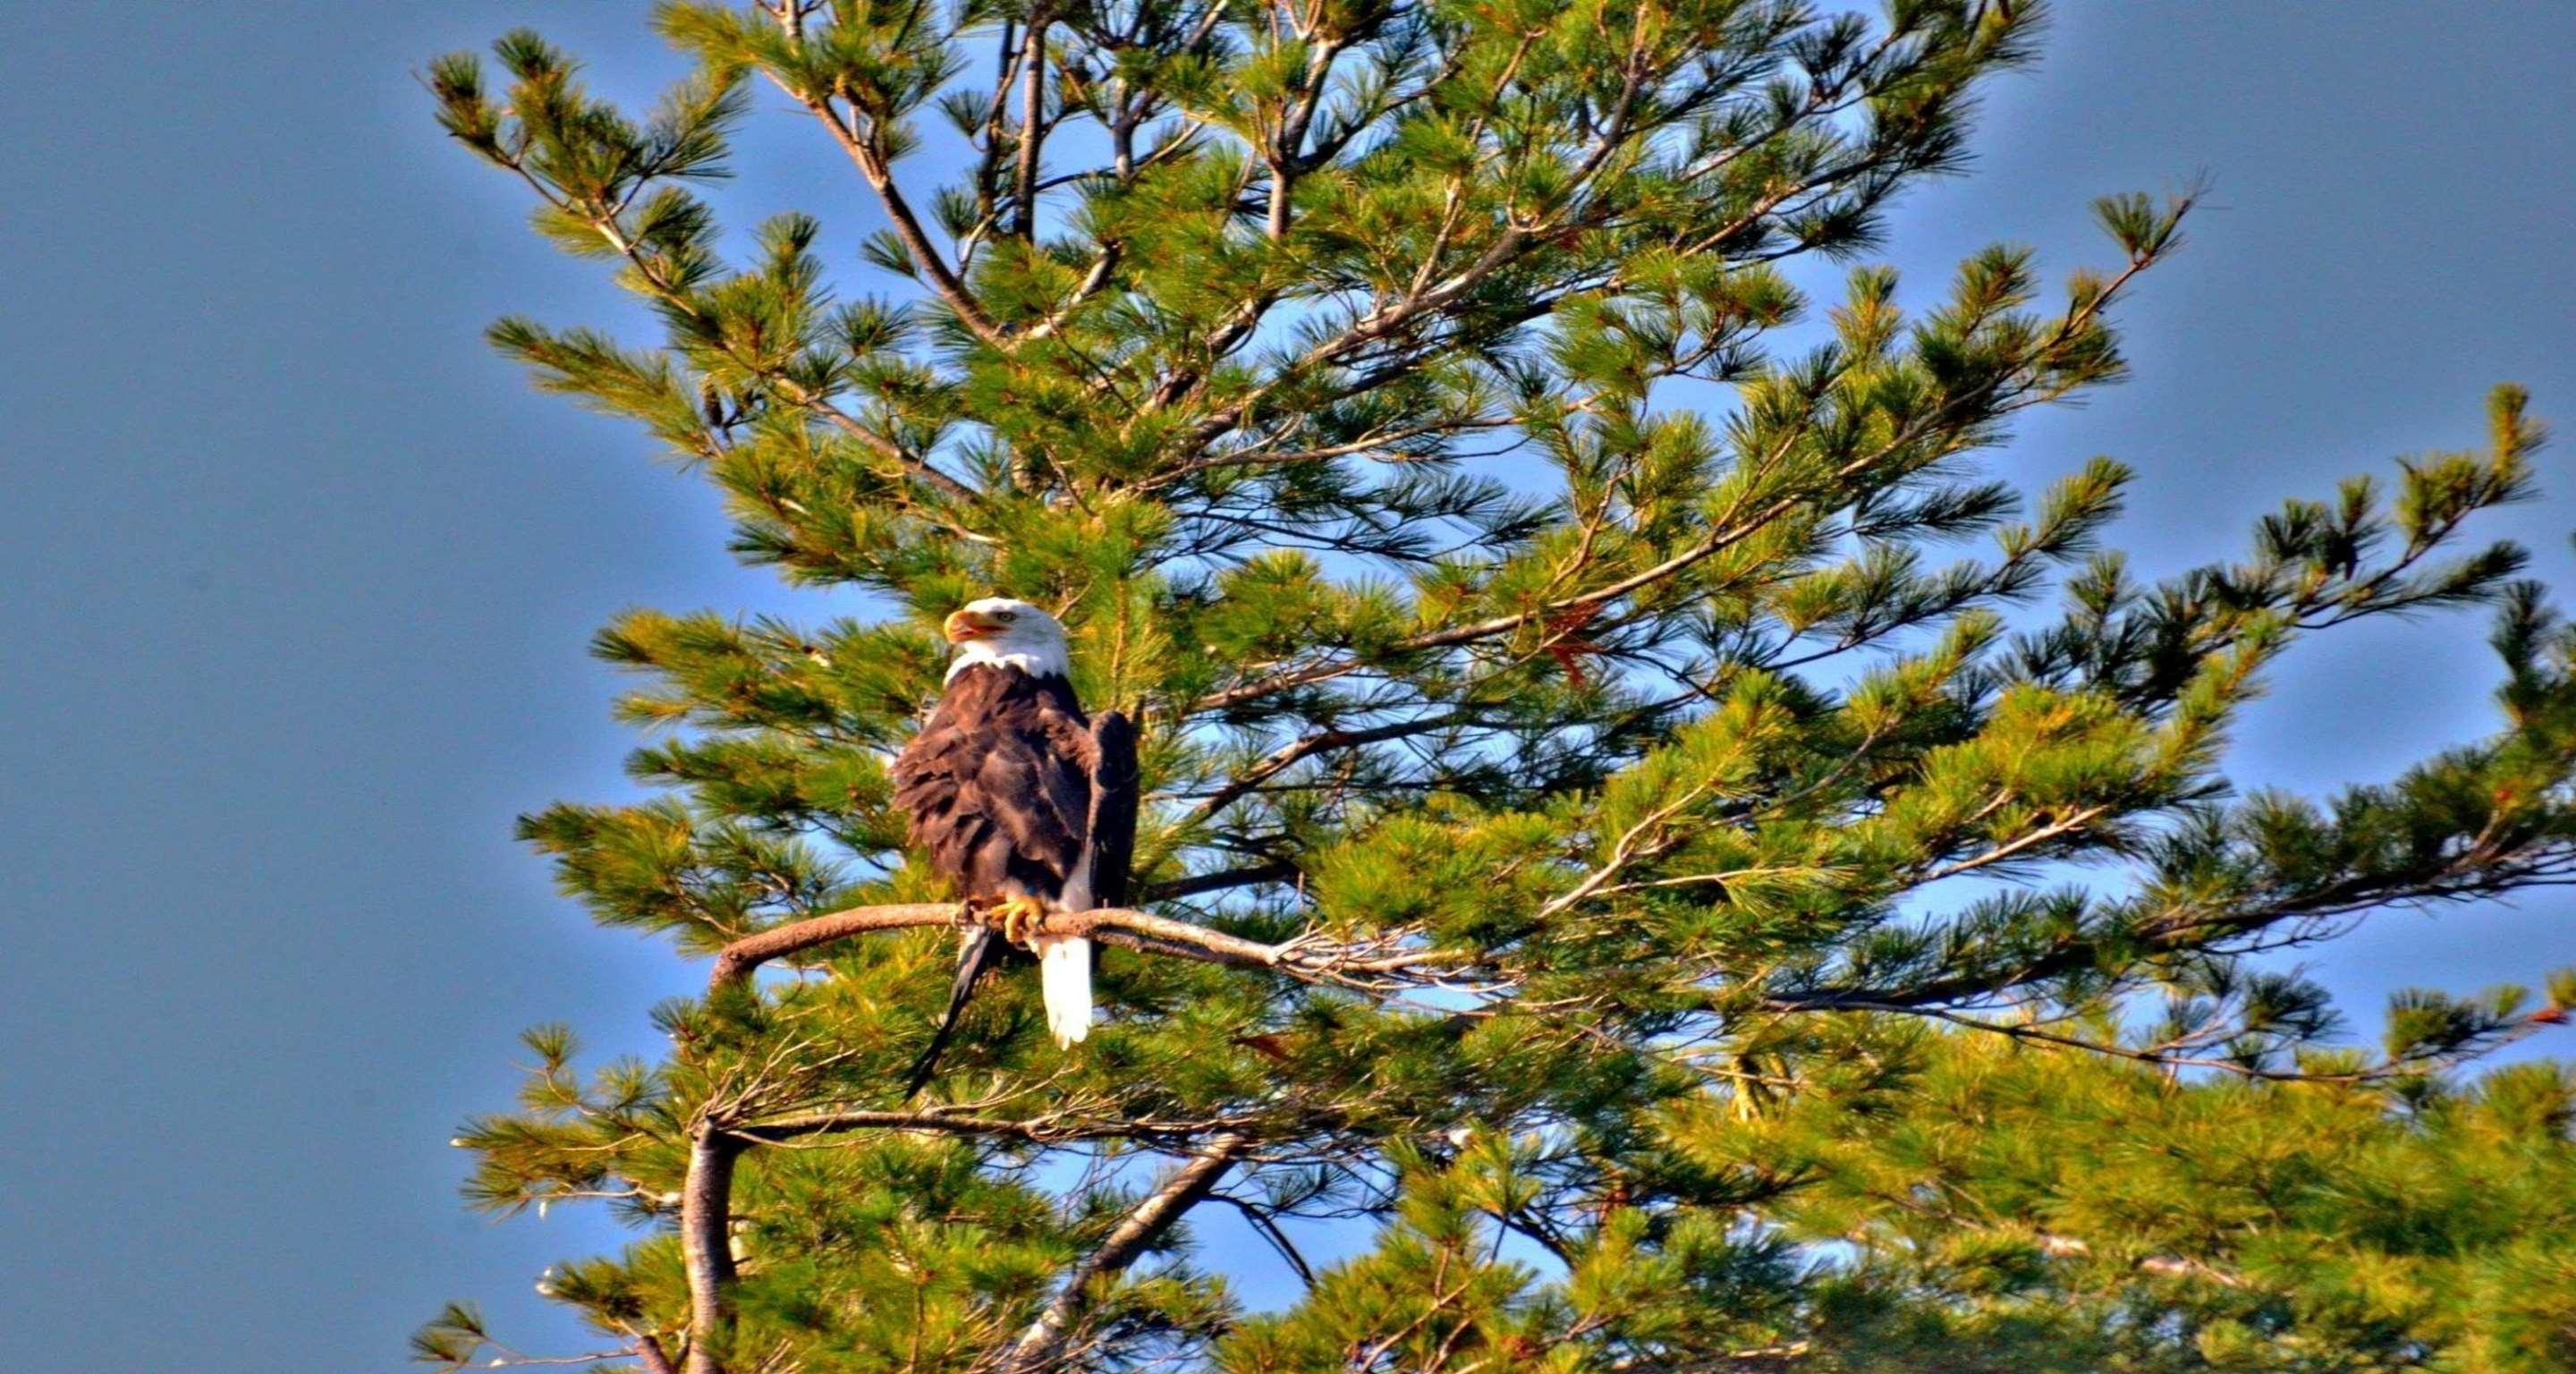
[1006, 617]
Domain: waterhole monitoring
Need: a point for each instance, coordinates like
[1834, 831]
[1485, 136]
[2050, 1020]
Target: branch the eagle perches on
[1378, 964]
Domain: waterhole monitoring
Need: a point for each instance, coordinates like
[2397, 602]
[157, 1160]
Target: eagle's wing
[1036, 798]
[1114, 796]
[1066, 964]
[1108, 854]
[1107, 752]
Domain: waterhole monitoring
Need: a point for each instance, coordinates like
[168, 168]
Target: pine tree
[1601, 846]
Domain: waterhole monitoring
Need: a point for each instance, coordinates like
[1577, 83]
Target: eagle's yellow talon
[1022, 918]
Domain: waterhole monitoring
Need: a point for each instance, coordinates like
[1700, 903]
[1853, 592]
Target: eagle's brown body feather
[998, 783]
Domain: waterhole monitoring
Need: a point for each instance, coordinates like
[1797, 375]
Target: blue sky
[299, 577]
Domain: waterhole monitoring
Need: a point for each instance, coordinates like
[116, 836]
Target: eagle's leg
[1022, 915]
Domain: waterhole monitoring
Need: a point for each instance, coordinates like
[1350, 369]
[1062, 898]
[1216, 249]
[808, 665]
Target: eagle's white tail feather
[1064, 980]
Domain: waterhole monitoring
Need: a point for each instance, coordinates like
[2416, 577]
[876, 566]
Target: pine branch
[907, 224]
[1295, 751]
[1224, 879]
[1261, 1221]
[1046, 1129]
[1036, 1347]
[1727, 533]
[2181, 928]
[652, 273]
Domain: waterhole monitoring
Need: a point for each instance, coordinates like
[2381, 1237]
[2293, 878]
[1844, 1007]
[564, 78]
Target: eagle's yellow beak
[965, 625]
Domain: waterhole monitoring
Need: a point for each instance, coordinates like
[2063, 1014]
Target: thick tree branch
[1313, 960]
[1024, 183]
[1038, 1345]
[654, 1358]
[706, 1243]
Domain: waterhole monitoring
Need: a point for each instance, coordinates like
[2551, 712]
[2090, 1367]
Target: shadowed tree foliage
[1644, 833]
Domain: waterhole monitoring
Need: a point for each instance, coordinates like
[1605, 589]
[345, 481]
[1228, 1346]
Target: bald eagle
[1027, 805]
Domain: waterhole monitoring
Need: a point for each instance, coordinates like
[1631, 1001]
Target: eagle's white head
[1008, 634]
